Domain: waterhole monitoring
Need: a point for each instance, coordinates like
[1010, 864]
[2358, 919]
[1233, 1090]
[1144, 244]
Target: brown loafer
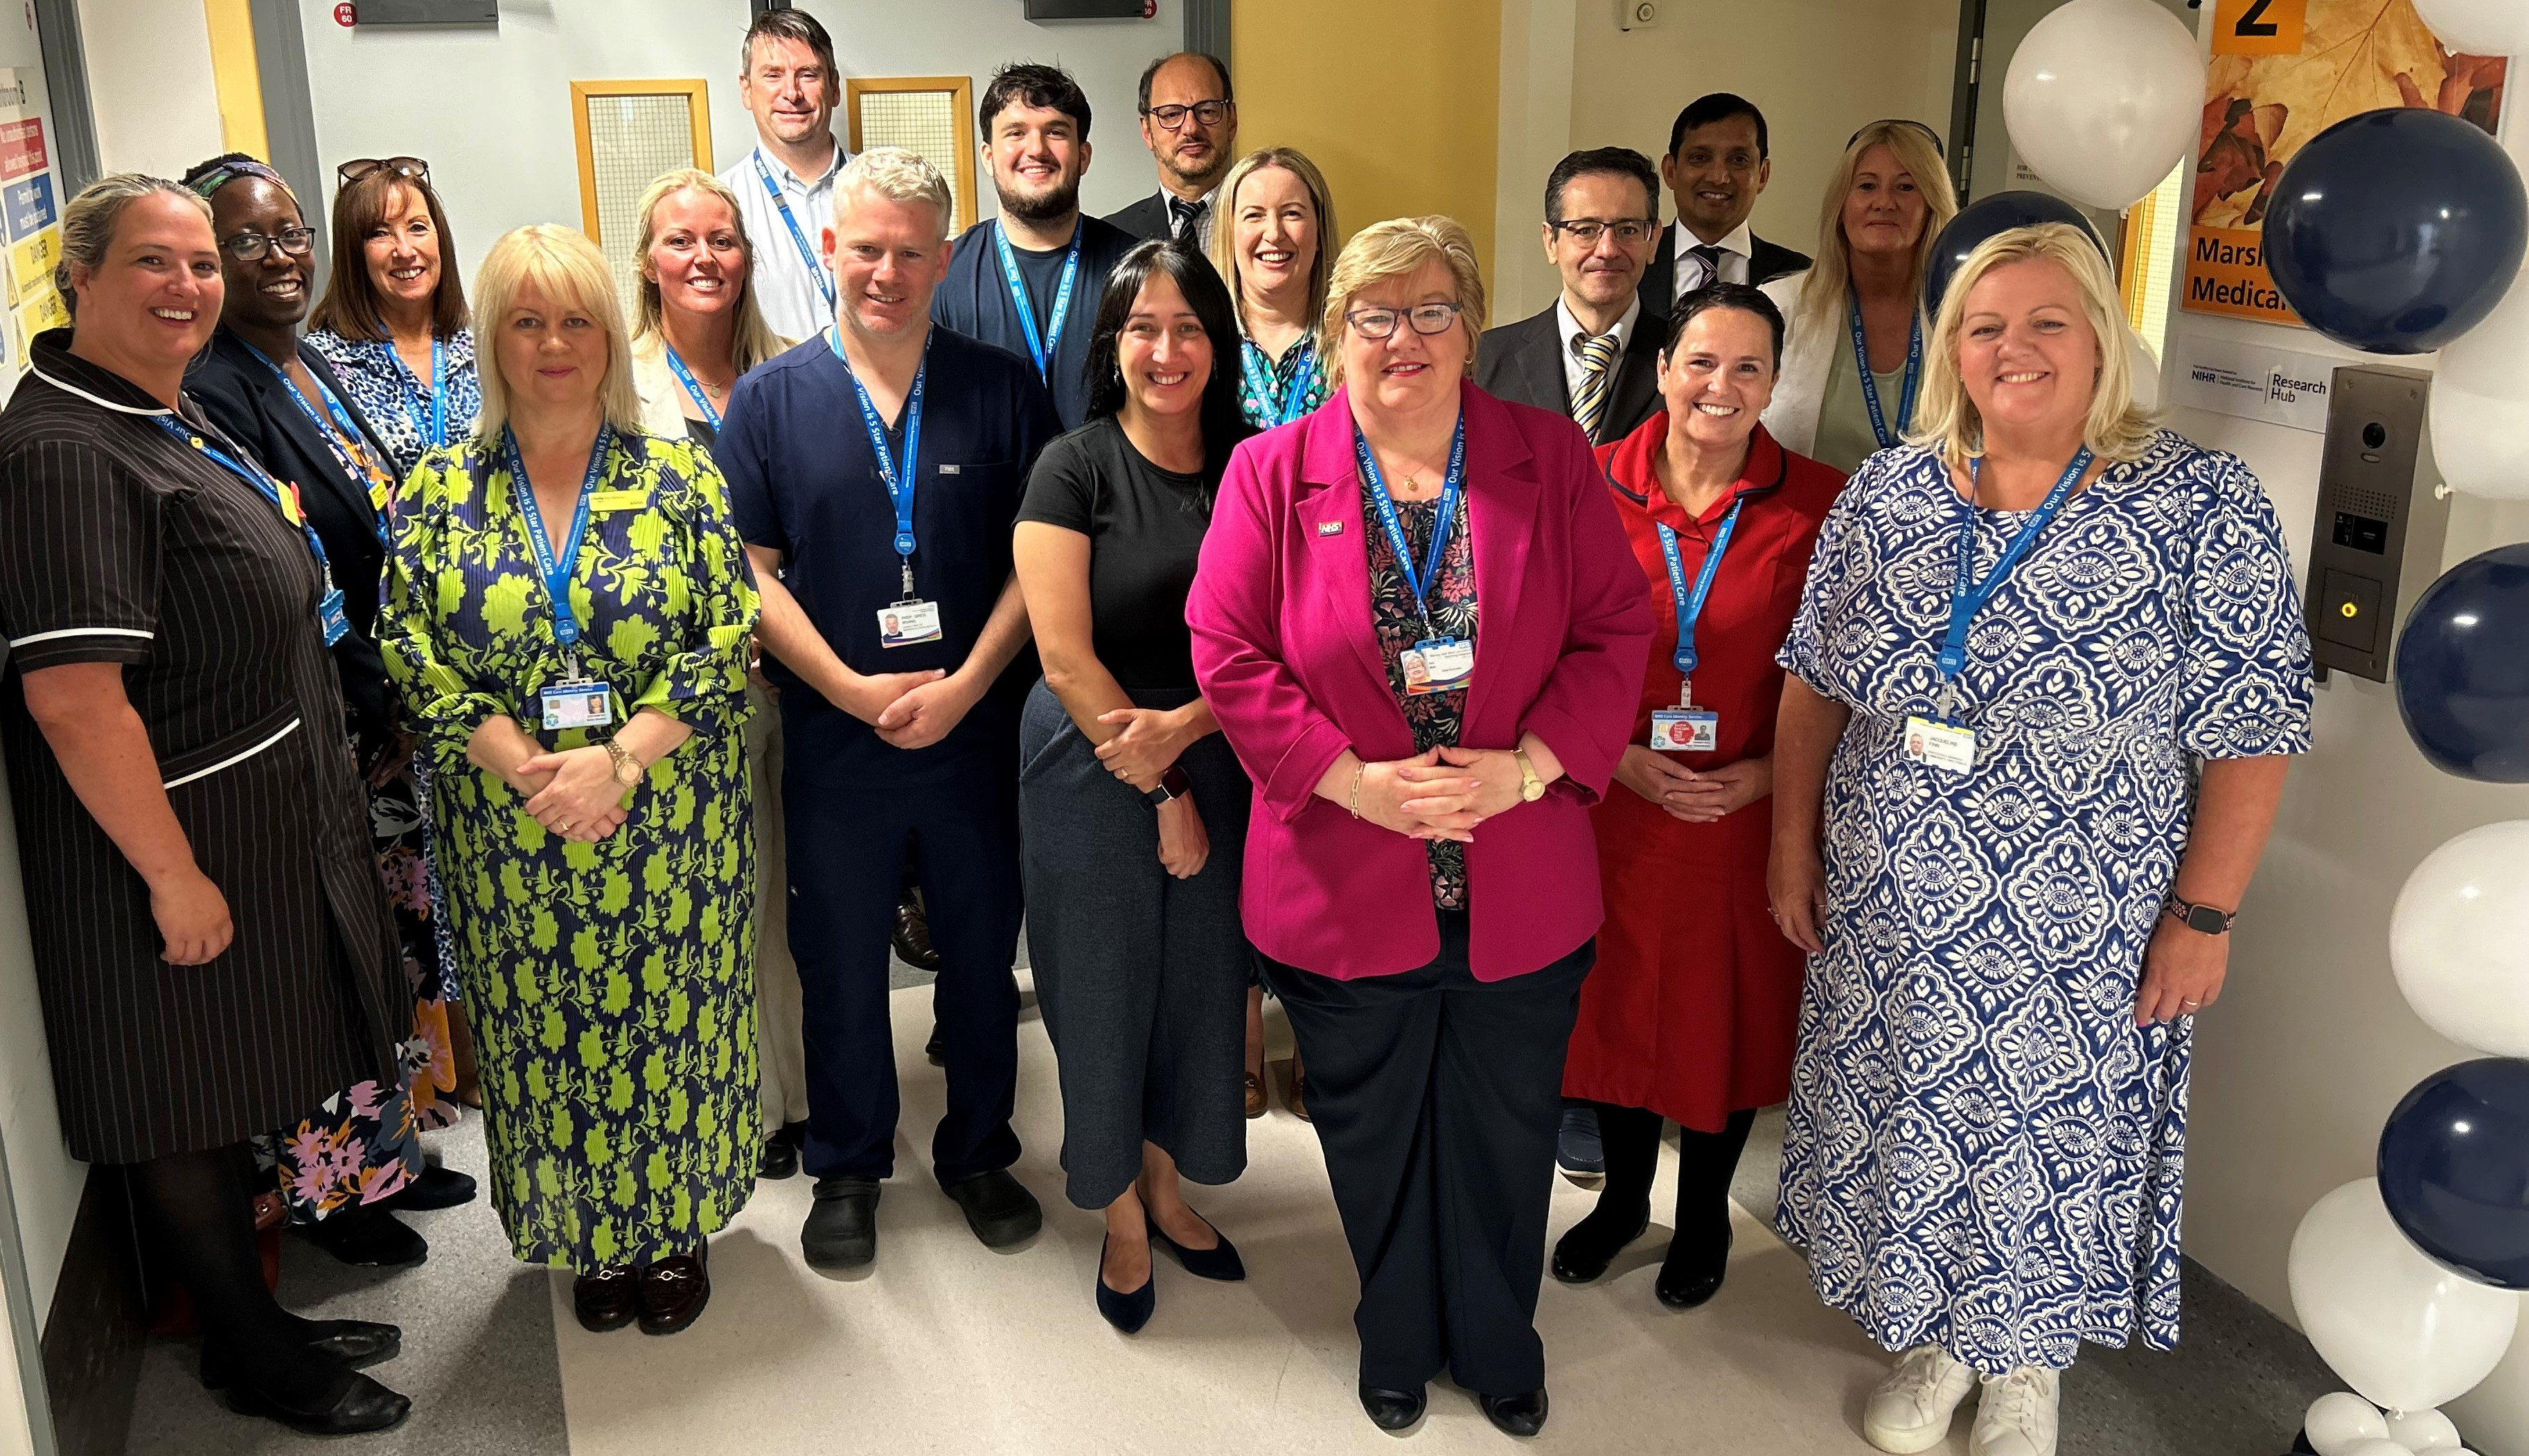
[1255, 1096]
[1298, 1100]
[674, 1292]
[606, 1299]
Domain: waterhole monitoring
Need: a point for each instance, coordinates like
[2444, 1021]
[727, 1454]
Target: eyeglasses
[1426, 318]
[353, 171]
[248, 245]
[1586, 231]
[1173, 118]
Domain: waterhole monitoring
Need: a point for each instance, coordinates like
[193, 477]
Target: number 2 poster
[2281, 71]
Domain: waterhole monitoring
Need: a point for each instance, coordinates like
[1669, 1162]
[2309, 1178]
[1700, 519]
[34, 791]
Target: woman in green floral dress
[592, 799]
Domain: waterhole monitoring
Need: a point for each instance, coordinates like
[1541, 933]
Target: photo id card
[1438, 665]
[577, 704]
[1685, 731]
[907, 622]
[1943, 745]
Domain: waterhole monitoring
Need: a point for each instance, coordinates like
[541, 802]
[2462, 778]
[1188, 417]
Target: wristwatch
[1173, 784]
[619, 758]
[1531, 788]
[2207, 920]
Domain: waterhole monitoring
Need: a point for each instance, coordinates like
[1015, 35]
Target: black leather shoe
[1391, 1410]
[1126, 1311]
[1586, 1249]
[370, 1238]
[912, 936]
[438, 1187]
[1516, 1415]
[1219, 1261]
[780, 1160]
[673, 1291]
[997, 1207]
[354, 1342]
[841, 1231]
[362, 1405]
[606, 1300]
[1685, 1285]
[931, 1050]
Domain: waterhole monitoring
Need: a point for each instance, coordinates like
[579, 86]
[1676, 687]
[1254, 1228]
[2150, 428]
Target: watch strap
[2210, 920]
[1531, 785]
[1173, 784]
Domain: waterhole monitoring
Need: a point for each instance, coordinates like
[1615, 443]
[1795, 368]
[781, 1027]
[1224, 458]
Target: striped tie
[1589, 406]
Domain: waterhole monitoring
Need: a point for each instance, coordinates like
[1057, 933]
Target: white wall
[48, 1182]
[149, 80]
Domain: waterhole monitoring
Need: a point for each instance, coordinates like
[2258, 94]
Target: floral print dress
[1435, 718]
[612, 985]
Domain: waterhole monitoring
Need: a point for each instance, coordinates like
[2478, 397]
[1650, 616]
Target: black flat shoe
[1694, 1282]
[363, 1405]
[1391, 1410]
[1584, 1252]
[780, 1160]
[841, 1231]
[1219, 1261]
[1126, 1311]
[997, 1207]
[606, 1300]
[354, 1342]
[439, 1187]
[673, 1291]
[1516, 1415]
[368, 1237]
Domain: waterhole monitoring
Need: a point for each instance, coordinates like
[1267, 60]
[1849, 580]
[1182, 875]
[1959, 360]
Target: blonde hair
[754, 341]
[1830, 277]
[90, 222]
[1945, 418]
[897, 175]
[566, 268]
[1225, 248]
[1398, 248]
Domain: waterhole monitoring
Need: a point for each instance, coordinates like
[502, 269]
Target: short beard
[1060, 202]
[1200, 182]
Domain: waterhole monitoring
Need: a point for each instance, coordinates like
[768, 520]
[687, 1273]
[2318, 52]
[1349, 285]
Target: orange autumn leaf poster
[2281, 71]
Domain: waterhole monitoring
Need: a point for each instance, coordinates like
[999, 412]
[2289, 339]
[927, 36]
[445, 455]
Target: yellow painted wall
[237, 77]
[1397, 100]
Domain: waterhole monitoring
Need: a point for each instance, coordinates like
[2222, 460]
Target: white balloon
[2422, 1432]
[2145, 369]
[2480, 414]
[2398, 1327]
[2457, 944]
[2335, 1422]
[2478, 27]
[2104, 98]
[2382, 1447]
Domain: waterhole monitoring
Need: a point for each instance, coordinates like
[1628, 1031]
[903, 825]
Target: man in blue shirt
[876, 472]
[1030, 280]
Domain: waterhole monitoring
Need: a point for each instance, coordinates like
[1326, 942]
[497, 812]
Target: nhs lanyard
[329, 610]
[807, 254]
[554, 568]
[1041, 348]
[1417, 582]
[1689, 604]
[354, 457]
[434, 428]
[694, 389]
[899, 477]
[1260, 379]
[1967, 595]
[1879, 429]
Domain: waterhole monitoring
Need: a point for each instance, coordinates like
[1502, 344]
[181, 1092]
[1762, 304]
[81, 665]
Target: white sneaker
[2015, 1415]
[1910, 1410]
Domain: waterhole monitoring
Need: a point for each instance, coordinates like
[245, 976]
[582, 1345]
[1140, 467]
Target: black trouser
[1436, 1098]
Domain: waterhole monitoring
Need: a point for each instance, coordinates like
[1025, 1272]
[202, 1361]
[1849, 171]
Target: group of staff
[1538, 712]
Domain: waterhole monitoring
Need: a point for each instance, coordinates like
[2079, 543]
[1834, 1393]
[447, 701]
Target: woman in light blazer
[1426, 723]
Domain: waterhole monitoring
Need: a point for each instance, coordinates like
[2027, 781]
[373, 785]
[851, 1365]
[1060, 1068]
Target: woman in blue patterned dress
[393, 321]
[2016, 805]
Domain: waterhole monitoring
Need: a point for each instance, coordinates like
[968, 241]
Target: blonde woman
[1275, 252]
[696, 327]
[1853, 369]
[2011, 825]
[567, 614]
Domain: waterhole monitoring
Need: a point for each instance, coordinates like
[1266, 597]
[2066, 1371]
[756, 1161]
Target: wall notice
[2279, 386]
[2284, 70]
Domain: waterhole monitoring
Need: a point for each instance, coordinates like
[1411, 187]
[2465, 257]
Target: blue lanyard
[555, 569]
[1419, 583]
[898, 478]
[694, 389]
[1042, 348]
[1879, 430]
[781, 204]
[1690, 607]
[353, 458]
[330, 613]
[1968, 596]
[1260, 378]
[433, 430]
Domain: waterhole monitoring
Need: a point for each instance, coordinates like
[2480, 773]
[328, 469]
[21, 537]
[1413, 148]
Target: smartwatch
[2206, 920]
[1173, 784]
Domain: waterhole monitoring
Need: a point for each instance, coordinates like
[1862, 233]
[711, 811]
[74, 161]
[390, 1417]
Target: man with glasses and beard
[1190, 124]
[1030, 280]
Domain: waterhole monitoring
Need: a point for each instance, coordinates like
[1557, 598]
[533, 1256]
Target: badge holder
[1686, 729]
[1943, 742]
[578, 701]
[908, 621]
[1438, 665]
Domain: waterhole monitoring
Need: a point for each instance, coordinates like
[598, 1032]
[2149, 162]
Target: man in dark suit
[1717, 165]
[1594, 353]
[1190, 124]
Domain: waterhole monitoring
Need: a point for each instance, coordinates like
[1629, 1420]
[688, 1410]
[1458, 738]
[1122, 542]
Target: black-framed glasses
[1586, 231]
[1426, 318]
[1173, 118]
[353, 171]
[247, 245]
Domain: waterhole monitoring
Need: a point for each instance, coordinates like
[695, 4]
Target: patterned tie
[1589, 406]
[1186, 218]
[1706, 257]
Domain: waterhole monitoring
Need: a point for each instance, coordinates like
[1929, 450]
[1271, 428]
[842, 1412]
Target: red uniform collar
[1630, 467]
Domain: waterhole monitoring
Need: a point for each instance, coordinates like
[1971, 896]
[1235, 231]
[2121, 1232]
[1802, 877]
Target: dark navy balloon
[2397, 230]
[2455, 1169]
[2462, 668]
[1984, 218]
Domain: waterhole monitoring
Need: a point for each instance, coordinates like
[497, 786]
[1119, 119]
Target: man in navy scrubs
[892, 624]
[1030, 280]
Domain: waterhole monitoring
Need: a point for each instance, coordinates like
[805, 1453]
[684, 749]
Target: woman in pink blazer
[1420, 629]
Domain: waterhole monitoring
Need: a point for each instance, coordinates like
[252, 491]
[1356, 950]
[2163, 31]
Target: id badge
[577, 704]
[1685, 731]
[331, 617]
[907, 622]
[1438, 665]
[1945, 746]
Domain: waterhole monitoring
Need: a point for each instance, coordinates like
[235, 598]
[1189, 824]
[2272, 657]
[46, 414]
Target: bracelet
[1357, 769]
[618, 756]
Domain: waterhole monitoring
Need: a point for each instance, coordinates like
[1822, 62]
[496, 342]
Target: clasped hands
[1441, 793]
[909, 709]
[574, 794]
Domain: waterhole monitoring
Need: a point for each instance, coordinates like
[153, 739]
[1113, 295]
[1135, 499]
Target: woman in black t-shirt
[1132, 808]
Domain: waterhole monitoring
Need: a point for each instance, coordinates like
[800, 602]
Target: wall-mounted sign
[22, 148]
[2279, 386]
[27, 204]
[30, 265]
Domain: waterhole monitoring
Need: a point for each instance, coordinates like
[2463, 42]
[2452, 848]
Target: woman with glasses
[343, 1168]
[393, 321]
[1419, 625]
